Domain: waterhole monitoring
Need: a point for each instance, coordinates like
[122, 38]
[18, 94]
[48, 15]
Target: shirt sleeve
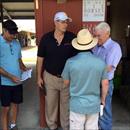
[114, 56]
[66, 73]
[105, 73]
[42, 47]
[20, 52]
[73, 50]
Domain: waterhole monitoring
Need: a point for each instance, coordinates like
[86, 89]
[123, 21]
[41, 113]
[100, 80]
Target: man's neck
[58, 33]
[59, 36]
[7, 40]
[104, 42]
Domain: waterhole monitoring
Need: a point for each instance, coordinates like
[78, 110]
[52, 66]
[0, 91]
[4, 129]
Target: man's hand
[15, 79]
[40, 82]
[39, 70]
[9, 75]
[104, 90]
[26, 68]
[103, 102]
[67, 83]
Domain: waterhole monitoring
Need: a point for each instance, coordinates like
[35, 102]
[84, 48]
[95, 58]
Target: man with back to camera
[11, 65]
[83, 74]
[54, 49]
[109, 51]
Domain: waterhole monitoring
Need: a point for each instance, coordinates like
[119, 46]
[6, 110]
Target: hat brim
[69, 19]
[14, 31]
[63, 19]
[84, 47]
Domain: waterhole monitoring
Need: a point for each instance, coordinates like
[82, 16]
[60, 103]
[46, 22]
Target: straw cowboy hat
[84, 40]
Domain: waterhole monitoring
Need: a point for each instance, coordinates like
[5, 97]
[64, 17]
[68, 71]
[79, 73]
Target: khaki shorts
[83, 122]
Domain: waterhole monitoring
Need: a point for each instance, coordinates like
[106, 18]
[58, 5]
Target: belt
[57, 75]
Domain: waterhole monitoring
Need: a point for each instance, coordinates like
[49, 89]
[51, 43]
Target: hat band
[85, 44]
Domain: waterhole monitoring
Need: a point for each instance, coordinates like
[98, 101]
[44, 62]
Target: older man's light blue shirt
[111, 53]
[85, 72]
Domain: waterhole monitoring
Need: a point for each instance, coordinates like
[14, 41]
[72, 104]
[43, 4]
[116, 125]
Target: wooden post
[1, 12]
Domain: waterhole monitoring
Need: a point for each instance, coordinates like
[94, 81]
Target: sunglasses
[63, 21]
[11, 49]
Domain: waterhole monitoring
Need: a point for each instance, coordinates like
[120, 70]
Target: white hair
[103, 26]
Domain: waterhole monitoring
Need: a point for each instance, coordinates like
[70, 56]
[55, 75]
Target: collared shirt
[85, 72]
[56, 55]
[111, 53]
[10, 53]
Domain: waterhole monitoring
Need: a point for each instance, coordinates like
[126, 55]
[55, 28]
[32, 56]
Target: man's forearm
[5, 73]
[39, 67]
[104, 90]
[109, 68]
[22, 66]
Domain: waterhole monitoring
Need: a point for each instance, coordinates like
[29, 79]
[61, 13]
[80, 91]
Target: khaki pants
[83, 122]
[55, 91]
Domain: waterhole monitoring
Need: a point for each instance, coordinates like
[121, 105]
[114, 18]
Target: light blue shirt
[10, 53]
[111, 53]
[85, 72]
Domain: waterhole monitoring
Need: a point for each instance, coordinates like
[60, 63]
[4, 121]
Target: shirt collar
[4, 41]
[107, 43]
[87, 52]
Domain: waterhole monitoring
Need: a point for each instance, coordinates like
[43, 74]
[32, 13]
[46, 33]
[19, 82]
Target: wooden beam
[20, 17]
[6, 1]
[27, 10]
[6, 13]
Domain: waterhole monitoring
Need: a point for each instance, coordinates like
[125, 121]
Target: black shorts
[11, 94]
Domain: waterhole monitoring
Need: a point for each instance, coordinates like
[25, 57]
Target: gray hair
[103, 26]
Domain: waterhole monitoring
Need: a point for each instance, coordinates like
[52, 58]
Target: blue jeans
[105, 121]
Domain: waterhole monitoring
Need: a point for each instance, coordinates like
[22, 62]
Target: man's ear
[4, 30]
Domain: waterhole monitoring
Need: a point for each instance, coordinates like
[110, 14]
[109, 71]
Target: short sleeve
[20, 53]
[42, 47]
[19, 50]
[114, 56]
[105, 73]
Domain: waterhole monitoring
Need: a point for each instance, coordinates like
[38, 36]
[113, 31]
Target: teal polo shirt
[85, 72]
[10, 53]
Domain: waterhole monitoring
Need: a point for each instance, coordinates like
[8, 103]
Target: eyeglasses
[11, 49]
[63, 22]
